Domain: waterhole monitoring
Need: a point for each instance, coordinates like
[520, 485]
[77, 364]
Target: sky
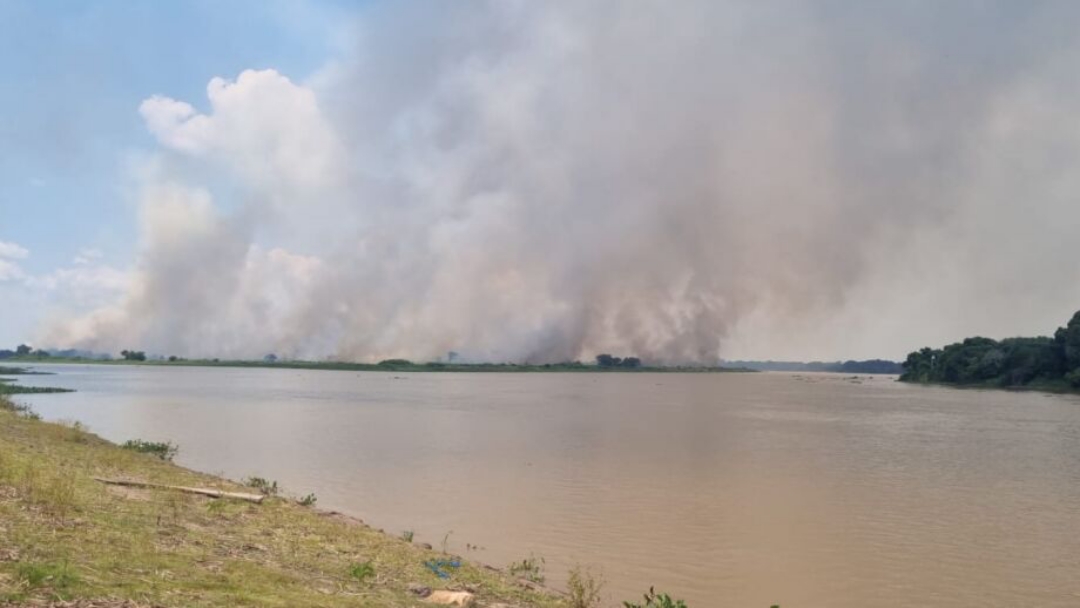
[536, 182]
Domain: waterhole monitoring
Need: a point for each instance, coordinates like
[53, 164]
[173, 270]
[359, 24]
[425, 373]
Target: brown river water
[739, 490]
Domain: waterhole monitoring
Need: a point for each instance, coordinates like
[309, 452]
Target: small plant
[56, 493]
[583, 588]
[362, 572]
[446, 542]
[56, 576]
[530, 569]
[265, 487]
[308, 500]
[407, 536]
[163, 450]
[657, 600]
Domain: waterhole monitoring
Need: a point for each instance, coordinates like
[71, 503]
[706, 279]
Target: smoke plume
[544, 181]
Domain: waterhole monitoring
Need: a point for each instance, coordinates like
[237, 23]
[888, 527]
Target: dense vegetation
[870, 366]
[1042, 362]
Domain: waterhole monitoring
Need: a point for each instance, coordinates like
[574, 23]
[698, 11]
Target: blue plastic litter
[437, 565]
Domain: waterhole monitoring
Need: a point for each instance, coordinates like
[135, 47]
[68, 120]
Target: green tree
[1009, 362]
[1071, 342]
[606, 360]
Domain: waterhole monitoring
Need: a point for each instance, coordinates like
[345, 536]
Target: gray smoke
[545, 181]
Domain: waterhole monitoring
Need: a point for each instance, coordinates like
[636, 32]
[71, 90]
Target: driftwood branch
[256, 498]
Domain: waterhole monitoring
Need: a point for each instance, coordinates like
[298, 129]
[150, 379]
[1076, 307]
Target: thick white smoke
[544, 181]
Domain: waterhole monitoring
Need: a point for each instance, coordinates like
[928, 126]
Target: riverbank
[65, 536]
[1037, 386]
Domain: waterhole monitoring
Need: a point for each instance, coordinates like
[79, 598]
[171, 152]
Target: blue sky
[72, 76]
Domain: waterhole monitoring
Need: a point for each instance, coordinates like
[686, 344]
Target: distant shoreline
[1052, 387]
[433, 367]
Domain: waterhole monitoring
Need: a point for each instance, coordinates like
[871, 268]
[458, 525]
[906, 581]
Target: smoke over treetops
[545, 181]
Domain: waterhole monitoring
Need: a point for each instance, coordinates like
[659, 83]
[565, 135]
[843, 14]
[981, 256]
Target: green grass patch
[164, 450]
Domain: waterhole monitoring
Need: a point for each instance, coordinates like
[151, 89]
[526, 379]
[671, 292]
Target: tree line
[1044, 360]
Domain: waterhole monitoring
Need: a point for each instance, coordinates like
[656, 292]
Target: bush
[362, 572]
[407, 536]
[308, 500]
[530, 569]
[657, 600]
[163, 450]
[1073, 378]
[264, 486]
[583, 588]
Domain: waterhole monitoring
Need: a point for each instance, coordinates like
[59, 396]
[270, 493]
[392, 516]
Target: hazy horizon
[537, 182]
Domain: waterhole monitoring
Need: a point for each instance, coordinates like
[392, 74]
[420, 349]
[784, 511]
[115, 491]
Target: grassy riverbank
[64, 535]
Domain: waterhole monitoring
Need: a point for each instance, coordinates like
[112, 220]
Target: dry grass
[65, 537]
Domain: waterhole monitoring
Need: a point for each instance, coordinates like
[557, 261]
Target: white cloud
[13, 251]
[268, 129]
[10, 271]
[86, 256]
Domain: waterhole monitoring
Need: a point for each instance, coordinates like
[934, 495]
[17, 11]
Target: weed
[58, 577]
[530, 569]
[446, 542]
[265, 487]
[308, 500]
[57, 492]
[19, 408]
[163, 450]
[657, 600]
[407, 536]
[29, 480]
[362, 572]
[583, 588]
[76, 431]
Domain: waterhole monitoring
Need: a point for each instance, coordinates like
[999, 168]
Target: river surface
[739, 490]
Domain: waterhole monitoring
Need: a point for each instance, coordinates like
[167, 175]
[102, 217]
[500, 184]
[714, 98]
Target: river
[739, 490]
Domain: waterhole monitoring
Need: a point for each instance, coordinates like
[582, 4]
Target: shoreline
[1051, 389]
[431, 367]
[72, 528]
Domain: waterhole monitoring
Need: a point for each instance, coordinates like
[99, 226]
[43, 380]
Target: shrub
[583, 588]
[362, 572]
[308, 500]
[1073, 378]
[163, 450]
[657, 600]
[530, 569]
[264, 486]
[407, 536]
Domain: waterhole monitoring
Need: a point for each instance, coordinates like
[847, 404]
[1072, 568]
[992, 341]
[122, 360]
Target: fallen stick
[212, 493]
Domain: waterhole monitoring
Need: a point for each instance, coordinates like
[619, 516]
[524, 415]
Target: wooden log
[211, 492]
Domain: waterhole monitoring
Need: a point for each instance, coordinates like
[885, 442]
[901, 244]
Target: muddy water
[727, 489]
